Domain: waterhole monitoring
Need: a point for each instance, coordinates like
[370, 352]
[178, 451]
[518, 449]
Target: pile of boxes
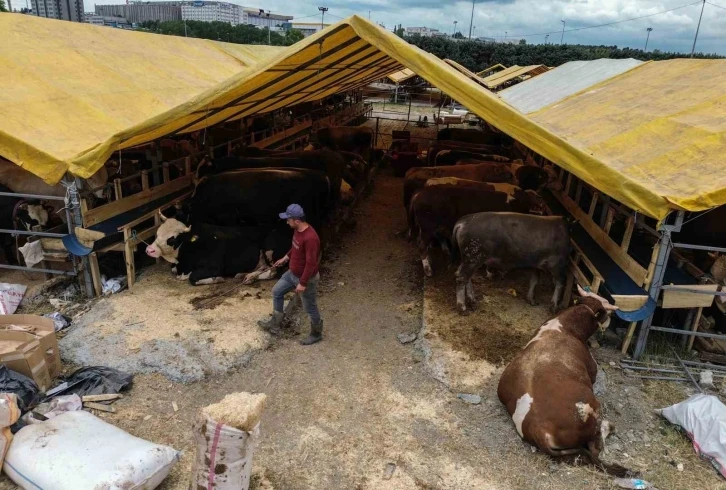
[28, 346]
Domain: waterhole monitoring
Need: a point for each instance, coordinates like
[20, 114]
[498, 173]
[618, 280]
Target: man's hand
[281, 261]
[300, 288]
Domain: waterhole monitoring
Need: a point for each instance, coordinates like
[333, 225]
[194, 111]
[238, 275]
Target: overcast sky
[672, 31]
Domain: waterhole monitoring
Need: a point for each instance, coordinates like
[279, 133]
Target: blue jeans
[287, 283]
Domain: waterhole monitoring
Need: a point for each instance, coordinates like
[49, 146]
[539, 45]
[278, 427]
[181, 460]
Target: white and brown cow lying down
[547, 388]
[207, 254]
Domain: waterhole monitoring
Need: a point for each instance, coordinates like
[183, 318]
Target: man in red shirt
[302, 276]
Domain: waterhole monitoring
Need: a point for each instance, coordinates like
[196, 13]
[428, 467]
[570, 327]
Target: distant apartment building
[204, 11]
[307, 28]
[99, 20]
[422, 31]
[71, 10]
[138, 12]
[261, 19]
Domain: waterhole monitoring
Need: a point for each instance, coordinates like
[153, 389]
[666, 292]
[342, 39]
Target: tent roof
[652, 138]
[401, 75]
[498, 67]
[659, 129]
[511, 73]
[72, 91]
[562, 82]
[466, 71]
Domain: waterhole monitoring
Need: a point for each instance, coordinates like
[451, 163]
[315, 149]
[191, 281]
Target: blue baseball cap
[294, 211]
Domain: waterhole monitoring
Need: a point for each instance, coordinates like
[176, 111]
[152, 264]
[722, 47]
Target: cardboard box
[22, 353]
[44, 330]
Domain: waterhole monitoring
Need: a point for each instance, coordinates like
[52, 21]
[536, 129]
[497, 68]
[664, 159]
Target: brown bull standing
[547, 388]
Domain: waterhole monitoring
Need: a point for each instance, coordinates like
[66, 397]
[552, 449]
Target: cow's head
[168, 239]
[537, 205]
[204, 168]
[599, 306]
[31, 217]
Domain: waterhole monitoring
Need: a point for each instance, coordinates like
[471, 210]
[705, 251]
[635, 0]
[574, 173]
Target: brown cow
[435, 209]
[547, 388]
[441, 146]
[416, 177]
[451, 157]
[23, 182]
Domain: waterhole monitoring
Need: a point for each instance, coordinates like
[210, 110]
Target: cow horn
[161, 216]
[187, 229]
[610, 307]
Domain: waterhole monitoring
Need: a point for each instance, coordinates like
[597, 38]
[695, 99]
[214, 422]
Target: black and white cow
[18, 214]
[206, 254]
[510, 241]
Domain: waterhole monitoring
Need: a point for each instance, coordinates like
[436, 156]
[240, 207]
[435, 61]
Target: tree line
[221, 31]
[477, 55]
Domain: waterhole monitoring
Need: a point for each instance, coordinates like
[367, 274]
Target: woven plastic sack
[224, 456]
[703, 417]
[79, 451]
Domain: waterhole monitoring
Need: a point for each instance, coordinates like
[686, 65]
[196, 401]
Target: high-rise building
[71, 10]
[138, 12]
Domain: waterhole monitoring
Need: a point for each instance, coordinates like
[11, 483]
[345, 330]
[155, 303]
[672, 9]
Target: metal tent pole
[74, 202]
[665, 246]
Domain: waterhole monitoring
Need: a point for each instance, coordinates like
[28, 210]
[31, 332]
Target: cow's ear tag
[194, 238]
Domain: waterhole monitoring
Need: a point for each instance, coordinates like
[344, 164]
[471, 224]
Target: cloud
[672, 31]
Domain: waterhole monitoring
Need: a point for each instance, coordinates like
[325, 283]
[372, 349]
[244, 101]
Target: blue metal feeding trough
[74, 245]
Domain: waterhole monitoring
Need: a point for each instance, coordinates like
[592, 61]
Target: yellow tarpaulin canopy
[70, 90]
[342, 57]
[401, 76]
[661, 126]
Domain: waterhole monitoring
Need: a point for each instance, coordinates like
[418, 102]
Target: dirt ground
[341, 411]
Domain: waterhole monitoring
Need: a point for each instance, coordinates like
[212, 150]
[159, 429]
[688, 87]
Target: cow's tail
[455, 249]
[611, 469]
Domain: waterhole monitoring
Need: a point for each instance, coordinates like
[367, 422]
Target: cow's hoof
[533, 302]
[462, 310]
[173, 270]
[472, 304]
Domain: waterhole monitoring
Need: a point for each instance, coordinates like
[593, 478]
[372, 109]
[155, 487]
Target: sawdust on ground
[342, 411]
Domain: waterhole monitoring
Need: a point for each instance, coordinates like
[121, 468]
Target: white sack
[10, 297]
[703, 417]
[32, 253]
[79, 451]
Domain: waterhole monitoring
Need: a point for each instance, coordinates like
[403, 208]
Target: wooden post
[694, 328]
[609, 220]
[129, 246]
[118, 192]
[578, 192]
[593, 204]
[187, 165]
[629, 226]
[165, 171]
[628, 337]
[145, 180]
[157, 223]
[95, 274]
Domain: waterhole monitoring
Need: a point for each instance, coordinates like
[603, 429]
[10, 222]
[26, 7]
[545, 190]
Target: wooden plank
[102, 398]
[52, 244]
[154, 213]
[165, 172]
[110, 210]
[140, 236]
[129, 258]
[673, 298]
[593, 204]
[711, 357]
[634, 270]
[579, 276]
[265, 142]
[651, 267]
[694, 327]
[567, 296]
[118, 191]
[95, 275]
[187, 166]
[100, 406]
[630, 302]
[629, 227]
